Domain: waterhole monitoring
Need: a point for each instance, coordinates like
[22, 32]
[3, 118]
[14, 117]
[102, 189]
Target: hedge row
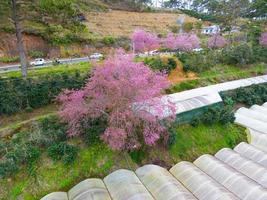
[18, 94]
[250, 95]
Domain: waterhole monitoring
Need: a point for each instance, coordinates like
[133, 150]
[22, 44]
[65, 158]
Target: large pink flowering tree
[216, 41]
[263, 39]
[144, 41]
[126, 93]
[183, 42]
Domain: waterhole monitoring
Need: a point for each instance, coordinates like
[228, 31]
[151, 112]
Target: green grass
[82, 67]
[98, 161]
[195, 141]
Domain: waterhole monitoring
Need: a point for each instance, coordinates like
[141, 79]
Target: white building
[211, 29]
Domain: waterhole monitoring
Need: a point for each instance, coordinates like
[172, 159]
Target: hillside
[122, 23]
[56, 29]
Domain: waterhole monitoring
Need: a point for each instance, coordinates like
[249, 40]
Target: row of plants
[239, 55]
[18, 94]
[250, 95]
[45, 136]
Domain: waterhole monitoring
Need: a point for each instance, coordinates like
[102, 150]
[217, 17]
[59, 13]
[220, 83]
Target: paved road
[10, 68]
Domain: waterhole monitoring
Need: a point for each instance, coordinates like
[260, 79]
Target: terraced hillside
[235, 174]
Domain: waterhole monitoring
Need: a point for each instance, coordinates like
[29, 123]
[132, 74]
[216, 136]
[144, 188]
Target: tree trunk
[20, 46]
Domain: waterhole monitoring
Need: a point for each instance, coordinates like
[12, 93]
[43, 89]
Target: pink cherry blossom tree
[263, 39]
[183, 42]
[144, 41]
[126, 93]
[216, 41]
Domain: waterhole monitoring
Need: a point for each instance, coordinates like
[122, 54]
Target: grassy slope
[99, 160]
[123, 23]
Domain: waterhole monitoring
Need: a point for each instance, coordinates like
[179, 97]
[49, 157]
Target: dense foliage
[25, 148]
[250, 95]
[222, 115]
[125, 93]
[18, 93]
[161, 64]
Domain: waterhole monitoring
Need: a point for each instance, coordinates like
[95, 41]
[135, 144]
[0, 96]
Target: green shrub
[138, 155]
[250, 95]
[18, 94]
[241, 54]
[36, 54]
[198, 62]
[109, 40]
[157, 64]
[92, 129]
[8, 59]
[63, 151]
[222, 115]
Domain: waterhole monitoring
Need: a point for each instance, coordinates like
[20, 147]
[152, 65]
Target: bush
[158, 64]
[198, 62]
[7, 59]
[37, 54]
[222, 115]
[92, 129]
[109, 40]
[18, 94]
[250, 95]
[241, 54]
[63, 151]
[138, 155]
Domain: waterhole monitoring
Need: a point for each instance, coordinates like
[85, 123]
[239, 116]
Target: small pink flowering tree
[122, 92]
[263, 39]
[216, 41]
[183, 42]
[144, 41]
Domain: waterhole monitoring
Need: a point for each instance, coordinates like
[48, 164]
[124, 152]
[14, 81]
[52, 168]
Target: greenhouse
[240, 173]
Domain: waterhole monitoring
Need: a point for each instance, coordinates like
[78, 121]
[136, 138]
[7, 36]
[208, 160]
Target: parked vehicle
[38, 62]
[197, 49]
[96, 56]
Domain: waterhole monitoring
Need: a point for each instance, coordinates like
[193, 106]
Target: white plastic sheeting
[254, 114]
[199, 183]
[260, 109]
[125, 185]
[249, 122]
[237, 183]
[245, 166]
[258, 139]
[251, 152]
[161, 184]
[56, 196]
[89, 189]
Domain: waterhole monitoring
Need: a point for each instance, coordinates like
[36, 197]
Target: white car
[38, 62]
[96, 56]
[197, 49]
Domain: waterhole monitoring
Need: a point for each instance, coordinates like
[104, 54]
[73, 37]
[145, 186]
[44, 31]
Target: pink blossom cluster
[144, 41]
[263, 39]
[183, 42]
[216, 41]
[117, 91]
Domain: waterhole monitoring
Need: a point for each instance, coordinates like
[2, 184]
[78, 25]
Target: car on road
[38, 62]
[96, 56]
[198, 49]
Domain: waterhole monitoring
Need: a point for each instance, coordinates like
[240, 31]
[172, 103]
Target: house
[211, 29]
